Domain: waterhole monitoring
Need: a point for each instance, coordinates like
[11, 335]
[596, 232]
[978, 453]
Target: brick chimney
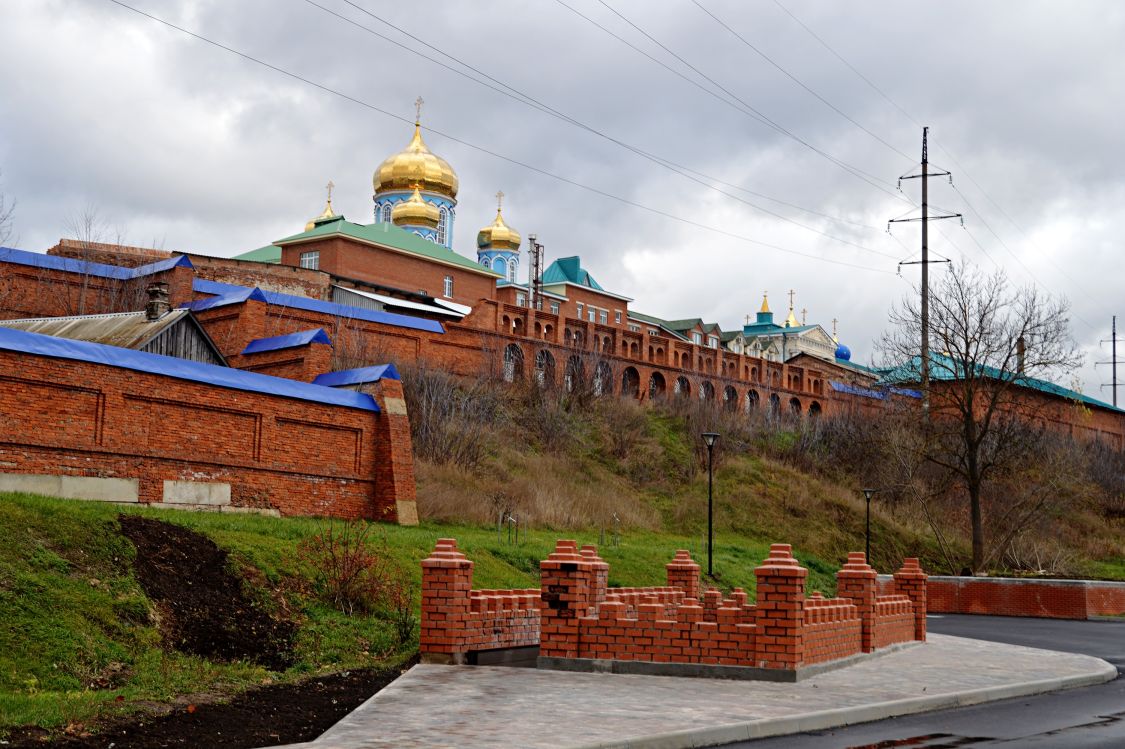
[1021, 351]
[158, 304]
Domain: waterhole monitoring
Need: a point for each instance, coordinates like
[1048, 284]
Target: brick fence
[1006, 596]
[576, 619]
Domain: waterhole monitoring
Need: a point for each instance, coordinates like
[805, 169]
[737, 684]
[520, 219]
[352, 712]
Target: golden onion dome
[325, 215]
[498, 235]
[416, 166]
[416, 212]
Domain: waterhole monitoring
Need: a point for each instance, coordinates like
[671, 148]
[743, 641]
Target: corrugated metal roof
[123, 329]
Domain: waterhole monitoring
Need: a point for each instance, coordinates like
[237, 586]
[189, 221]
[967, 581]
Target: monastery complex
[174, 378]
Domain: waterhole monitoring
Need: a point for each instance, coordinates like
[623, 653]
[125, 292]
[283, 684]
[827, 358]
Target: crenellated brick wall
[581, 620]
[457, 620]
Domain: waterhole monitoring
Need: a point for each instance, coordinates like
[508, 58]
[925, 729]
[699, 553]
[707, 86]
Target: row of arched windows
[574, 377]
[383, 214]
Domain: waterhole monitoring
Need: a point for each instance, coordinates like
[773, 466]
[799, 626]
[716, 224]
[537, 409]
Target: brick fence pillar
[395, 498]
[447, 579]
[567, 594]
[856, 581]
[780, 610]
[683, 573]
[910, 581]
[598, 574]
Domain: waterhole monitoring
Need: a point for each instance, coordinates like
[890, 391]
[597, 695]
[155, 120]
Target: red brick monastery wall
[75, 418]
[1050, 599]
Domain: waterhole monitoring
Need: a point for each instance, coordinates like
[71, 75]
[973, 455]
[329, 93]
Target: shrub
[352, 576]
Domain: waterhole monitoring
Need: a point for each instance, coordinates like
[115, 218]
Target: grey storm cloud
[186, 146]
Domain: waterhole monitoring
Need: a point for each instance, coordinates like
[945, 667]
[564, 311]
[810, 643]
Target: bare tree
[993, 347]
[7, 213]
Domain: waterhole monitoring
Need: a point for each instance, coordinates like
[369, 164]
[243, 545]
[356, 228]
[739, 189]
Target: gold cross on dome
[418, 109]
[791, 295]
[834, 321]
[499, 199]
[804, 312]
[329, 187]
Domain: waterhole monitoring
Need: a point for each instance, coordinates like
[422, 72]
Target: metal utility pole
[926, 218]
[534, 272]
[1113, 360]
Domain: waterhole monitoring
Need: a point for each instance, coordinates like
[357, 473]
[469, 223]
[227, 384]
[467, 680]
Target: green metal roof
[650, 320]
[570, 270]
[271, 253]
[944, 368]
[389, 235]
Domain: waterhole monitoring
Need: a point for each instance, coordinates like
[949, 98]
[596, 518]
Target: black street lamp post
[709, 439]
[867, 495]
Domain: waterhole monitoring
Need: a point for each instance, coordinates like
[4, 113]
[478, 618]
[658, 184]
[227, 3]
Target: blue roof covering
[274, 343]
[357, 376]
[100, 270]
[842, 387]
[234, 297]
[226, 290]
[183, 369]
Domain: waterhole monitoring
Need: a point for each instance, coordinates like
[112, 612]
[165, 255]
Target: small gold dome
[416, 166]
[765, 303]
[416, 212]
[326, 214]
[498, 235]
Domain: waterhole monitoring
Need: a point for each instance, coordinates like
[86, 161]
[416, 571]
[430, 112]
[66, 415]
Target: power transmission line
[527, 99]
[952, 158]
[488, 151]
[735, 102]
[795, 79]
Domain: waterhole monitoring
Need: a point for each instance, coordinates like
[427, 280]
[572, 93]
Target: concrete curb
[824, 719]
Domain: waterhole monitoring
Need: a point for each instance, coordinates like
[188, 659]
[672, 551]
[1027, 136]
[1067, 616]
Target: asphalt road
[1072, 719]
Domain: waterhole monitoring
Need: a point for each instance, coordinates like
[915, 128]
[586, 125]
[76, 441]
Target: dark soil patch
[206, 610]
[281, 714]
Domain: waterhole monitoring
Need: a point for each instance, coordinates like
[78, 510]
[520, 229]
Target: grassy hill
[82, 642]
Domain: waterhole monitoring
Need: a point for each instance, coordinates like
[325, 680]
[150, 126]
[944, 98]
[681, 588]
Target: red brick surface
[299, 457]
[1051, 599]
[581, 618]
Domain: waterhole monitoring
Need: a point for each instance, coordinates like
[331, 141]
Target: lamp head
[710, 438]
[867, 493]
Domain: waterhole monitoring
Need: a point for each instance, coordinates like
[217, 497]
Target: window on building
[634, 328]
[310, 260]
[386, 213]
[590, 313]
[652, 331]
[448, 288]
[617, 316]
[521, 299]
[712, 341]
[580, 308]
[554, 308]
[603, 316]
[697, 338]
[512, 270]
[443, 224]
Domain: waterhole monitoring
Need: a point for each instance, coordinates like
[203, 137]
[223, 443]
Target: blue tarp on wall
[182, 369]
[277, 342]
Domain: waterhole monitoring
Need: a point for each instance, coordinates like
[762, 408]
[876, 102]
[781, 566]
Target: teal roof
[947, 369]
[389, 235]
[570, 270]
[685, 324]
[271, 253]
[650, 320]
[767, 330]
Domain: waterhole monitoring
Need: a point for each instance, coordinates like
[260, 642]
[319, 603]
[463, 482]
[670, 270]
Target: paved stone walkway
[450, 706]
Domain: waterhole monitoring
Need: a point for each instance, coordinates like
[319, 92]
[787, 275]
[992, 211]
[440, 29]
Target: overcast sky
[185, 146]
